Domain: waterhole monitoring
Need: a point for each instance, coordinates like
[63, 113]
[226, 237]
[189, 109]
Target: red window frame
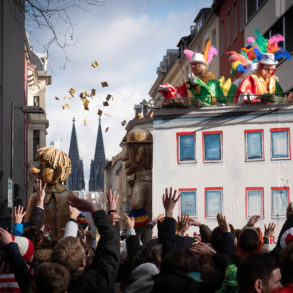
[179, 202]
[263, 146]
[205, 199]
[246, 205]
[203, 154]
[289, 142]
[177, 145]
[279, 188]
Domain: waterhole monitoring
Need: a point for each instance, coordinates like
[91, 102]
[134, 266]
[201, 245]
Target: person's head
[51, 277]
[258, 273]
[55, 165]
[267, 65]
[198, 68]
[25, 246]
[250, 241]
[216, 238]
[70, 253]
[35, 235]
[286, 264]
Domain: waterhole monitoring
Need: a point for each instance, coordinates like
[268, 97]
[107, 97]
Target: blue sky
[129, 39]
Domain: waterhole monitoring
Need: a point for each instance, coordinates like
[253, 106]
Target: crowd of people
[224, 259]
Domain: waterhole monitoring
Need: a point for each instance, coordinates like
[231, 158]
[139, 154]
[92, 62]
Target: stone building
[76, 179]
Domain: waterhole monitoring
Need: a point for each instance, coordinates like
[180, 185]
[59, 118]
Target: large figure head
[267, 65]
[138, 151]
[55, 165]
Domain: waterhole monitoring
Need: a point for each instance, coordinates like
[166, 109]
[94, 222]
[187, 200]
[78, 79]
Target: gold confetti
[123, 123]
[65, 106]
[104, 83]
[84, 122]
[93, 92]
[95, 64]
[72, 92]
[105, 104]
[100, 112]
[108, 115]
[107, 128]
[67, 98]
[86, 93]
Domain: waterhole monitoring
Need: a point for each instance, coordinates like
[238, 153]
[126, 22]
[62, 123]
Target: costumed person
[55, 167]
[201, 85]
[262, 84]
[137, 154]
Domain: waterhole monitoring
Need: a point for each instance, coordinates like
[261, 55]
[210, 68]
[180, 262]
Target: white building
[235, 160]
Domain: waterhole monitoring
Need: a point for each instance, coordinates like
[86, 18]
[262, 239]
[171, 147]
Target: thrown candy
[95, 64]
[100, 112]
[65, 106]
[107, 128]
[93, 92]
[123, 123]
[105, 103]
[56, 98]
[67, 98]
[104, 83]
[108, 115]
[86, 93]
[72, 92]
[108, 97]
[84, 122]
[81, 95]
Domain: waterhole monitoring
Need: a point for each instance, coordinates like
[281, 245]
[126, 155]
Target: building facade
[235, 160]
[76, 179]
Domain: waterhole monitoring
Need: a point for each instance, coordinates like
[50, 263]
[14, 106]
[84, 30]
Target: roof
[204, 12]
[35, 60]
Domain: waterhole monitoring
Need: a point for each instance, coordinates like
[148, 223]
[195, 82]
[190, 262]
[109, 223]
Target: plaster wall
[233, 174]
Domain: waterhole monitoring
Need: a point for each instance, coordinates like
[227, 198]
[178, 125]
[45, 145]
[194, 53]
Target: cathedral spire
[96, 182]
[76, 179]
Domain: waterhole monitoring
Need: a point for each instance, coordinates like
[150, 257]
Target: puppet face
[267, 70]
[48, 174]
[198, 68]
[129, 157]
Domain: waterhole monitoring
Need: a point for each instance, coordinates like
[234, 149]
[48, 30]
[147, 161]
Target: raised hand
[269, 231]
[5, 236]
[74, 212]
[130, 221]
[194, 222]
[18, 214]
[81, 204]
[203, 249]
[224, 225]
[112, 200]
[169, 201]
[183, 224]
[40, 189]
[252, 221]
[155, 220]
[114, 217]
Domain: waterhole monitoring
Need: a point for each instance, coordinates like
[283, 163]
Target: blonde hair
[55, 158]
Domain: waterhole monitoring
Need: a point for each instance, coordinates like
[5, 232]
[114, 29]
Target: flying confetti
[108, 115]
[104, 83]
[123, 123]
[93, 92]
[86, 93]
[95, 64]
[72, 92]
[100, 112]
[84, 122]
[67, 98]
[81, 95]
[107, 128]
[105, 104]
[65, 106]
[108, 97]
[56, 98]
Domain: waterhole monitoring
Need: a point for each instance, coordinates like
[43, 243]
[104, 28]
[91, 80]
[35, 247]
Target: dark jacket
[100, 276]
[37, 217]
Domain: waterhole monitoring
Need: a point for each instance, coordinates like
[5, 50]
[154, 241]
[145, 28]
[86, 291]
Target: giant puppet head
[55, 165]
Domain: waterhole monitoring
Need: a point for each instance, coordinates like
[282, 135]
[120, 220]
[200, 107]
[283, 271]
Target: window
[228, 32]
[212, 146]
[213, 201]
[185, 147]
[252, 6]
[254, 144]
[188, 201]
[280, 144]
[36, 101]
[234, 21]
[280, 201]
[214, 38]
[36, 142]
[254, 201]
[222, 34]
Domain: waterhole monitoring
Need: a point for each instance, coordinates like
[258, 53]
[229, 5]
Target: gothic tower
[96, 182]
[76, 179]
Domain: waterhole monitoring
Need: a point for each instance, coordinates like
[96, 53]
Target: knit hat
[26, 247]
